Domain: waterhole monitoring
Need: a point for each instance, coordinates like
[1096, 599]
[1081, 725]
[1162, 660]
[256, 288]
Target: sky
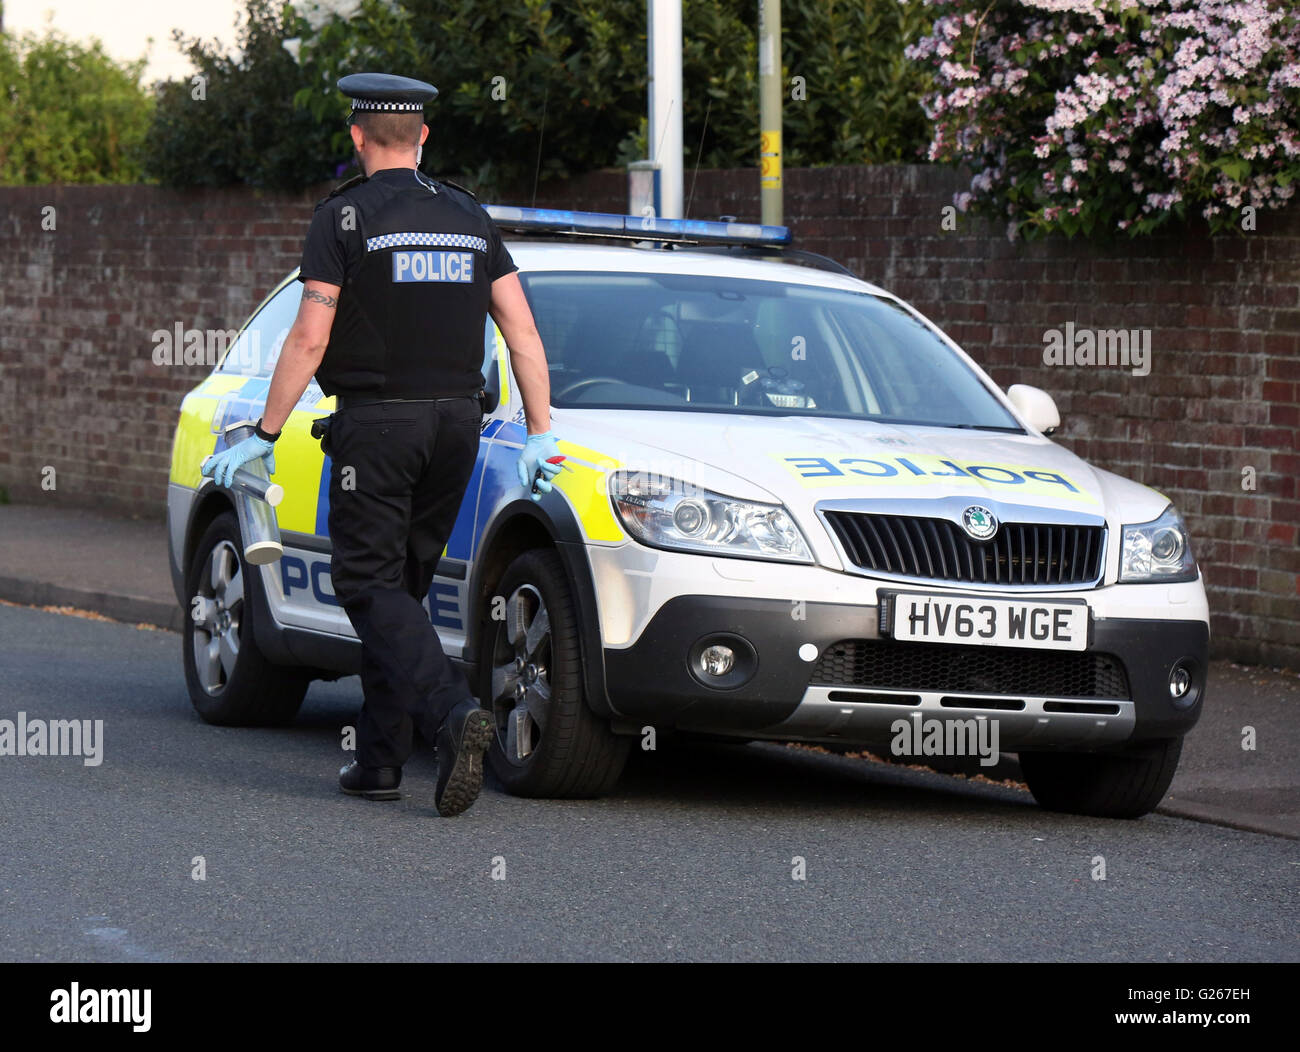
[125, 27]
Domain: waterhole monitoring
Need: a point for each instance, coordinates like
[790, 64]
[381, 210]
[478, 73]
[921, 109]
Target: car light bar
[637, 228]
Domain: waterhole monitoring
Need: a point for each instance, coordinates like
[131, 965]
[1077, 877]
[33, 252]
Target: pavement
[71, 558]
[58, 556]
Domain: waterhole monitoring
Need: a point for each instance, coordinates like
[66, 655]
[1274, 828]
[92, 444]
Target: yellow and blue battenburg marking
[582, 481]
[301, 467]
[304, 472]
[585, 482]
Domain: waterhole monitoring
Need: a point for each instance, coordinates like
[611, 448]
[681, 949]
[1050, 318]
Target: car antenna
[698, 153]
[541, 132]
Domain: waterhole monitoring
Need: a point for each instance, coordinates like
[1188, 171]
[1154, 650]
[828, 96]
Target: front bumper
[822, 672]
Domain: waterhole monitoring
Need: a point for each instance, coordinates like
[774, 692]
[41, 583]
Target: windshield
[700, 342]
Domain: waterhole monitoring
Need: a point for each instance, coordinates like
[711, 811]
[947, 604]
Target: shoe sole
[373, 794]
[466, 779]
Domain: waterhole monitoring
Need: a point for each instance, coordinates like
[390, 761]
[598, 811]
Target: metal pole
[769, 106]
[664, 36]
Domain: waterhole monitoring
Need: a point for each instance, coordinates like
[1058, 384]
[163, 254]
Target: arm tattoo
[321, 298]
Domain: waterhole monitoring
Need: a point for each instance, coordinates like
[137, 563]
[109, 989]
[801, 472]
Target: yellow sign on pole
[770, 160]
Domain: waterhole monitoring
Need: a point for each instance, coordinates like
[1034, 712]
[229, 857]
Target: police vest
[412, 308]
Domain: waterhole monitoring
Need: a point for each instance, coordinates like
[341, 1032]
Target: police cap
[385, 93]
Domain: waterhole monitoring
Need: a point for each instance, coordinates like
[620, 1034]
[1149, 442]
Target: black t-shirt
[415, 260]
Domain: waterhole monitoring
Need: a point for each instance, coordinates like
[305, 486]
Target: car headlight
[668, 513]
[1157, 551]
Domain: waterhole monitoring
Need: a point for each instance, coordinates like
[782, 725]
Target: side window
[492, 370]
[256, 350]
[489, 347]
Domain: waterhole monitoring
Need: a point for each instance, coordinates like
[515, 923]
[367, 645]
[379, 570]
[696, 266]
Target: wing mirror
[1036, 406]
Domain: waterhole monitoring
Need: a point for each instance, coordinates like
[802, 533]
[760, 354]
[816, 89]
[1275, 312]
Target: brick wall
[79, 391]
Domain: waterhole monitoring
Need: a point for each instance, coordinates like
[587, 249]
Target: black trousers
[399, 473]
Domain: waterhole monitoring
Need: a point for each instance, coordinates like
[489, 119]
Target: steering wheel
[580, 384]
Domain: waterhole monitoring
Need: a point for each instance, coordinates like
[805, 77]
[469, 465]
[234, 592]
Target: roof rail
[566, 223]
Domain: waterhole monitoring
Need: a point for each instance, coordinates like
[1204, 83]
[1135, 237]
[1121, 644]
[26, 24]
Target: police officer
[398, 273]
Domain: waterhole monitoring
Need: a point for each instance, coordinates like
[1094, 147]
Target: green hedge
[71, 114]
[513, 74]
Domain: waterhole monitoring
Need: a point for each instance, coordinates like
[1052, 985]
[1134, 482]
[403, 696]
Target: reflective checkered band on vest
[371, 104]
[425, 240]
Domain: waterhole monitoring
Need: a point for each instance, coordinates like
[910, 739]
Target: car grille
[889, 665]
[939, 550]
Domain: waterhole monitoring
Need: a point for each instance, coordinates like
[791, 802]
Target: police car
[791, 509]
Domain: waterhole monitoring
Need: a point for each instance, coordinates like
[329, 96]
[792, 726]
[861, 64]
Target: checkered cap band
[373, 104]
[425, 240]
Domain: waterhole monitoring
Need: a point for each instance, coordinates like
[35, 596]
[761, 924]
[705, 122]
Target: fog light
[1180, 682]
[716, 660]
[722, 661]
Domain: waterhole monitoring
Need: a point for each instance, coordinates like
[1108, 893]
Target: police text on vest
[433, 266]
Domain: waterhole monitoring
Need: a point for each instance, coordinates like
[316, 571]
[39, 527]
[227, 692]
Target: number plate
[988, 621]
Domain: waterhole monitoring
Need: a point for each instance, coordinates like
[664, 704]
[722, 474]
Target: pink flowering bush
[1088, 116]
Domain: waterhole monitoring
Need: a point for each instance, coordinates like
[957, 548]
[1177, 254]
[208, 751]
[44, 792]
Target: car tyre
[1105, 785]
[230, 681]
[548, 742]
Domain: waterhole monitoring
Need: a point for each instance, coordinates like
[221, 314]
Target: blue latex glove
[533, 458]
[223, 466]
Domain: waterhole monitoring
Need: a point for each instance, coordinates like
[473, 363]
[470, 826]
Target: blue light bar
[636, 228]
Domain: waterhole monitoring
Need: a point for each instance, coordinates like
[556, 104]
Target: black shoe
[374, 783]
[462, 739]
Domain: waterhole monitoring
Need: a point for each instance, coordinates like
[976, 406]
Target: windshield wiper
[984, 427]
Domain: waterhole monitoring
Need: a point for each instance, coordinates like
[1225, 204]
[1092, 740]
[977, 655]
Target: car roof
[538, 256]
